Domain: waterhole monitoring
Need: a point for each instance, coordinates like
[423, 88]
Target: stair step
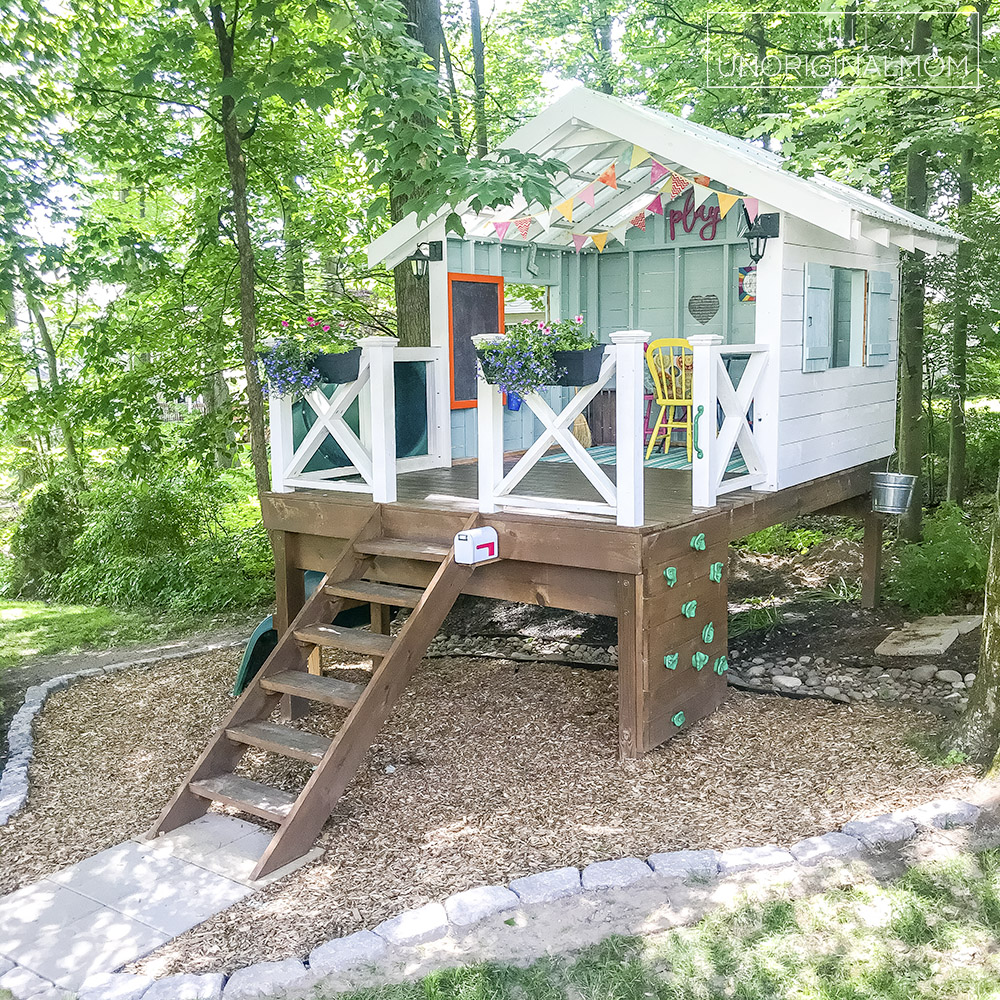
[250, 796]
[404, 548]
[315, 687]
[353, 639]
[283, 740]
[377, 593]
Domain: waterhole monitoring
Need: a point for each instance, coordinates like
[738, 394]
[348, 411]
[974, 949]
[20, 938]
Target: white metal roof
[588, 130]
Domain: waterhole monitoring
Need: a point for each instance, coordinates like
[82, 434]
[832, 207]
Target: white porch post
[282, 449]
[629, 362]
[490, 436]
[382, 421]
[704, 478]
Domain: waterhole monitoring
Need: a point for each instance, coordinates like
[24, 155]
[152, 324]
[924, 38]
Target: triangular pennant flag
[619, 234]
[655, 206]
[566, 209]
[599, 240]
[501, 228]
[702, 179]
[587, 194]
[639, 155]
[608, 177]
[657, 172]
[523, 225]
[544, 221]
[701, 194]
[677, 184]
[753, 208]
[639, 221]
[578, 240]
[726, 202]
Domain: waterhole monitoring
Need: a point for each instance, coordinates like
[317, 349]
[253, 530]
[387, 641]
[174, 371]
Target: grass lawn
[933, 934]
[33, 628]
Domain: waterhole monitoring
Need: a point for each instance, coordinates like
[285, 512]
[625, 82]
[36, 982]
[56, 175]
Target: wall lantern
[424, 253]
[758, 232]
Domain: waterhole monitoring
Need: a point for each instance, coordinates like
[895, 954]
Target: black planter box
[579, 367]
[487, 367]
[339, 367]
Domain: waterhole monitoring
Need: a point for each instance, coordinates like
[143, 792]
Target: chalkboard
[475, 306]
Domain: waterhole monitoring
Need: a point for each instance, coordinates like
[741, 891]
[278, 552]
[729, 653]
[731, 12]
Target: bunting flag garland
[639, 155]
[655, 206]
[701, 194]
[599, 240]
[657, 172]
[639, 221]
[752, 207]
[608, 177]
[544, 220]
[726, 202]
[565, 209]
[587, 194]
[677, 184]
[501, 228]
[523, 225]
[619, 233]
[578, 240]
[702, 180]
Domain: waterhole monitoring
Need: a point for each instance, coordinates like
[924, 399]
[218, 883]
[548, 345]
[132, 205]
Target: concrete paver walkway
[123, 903]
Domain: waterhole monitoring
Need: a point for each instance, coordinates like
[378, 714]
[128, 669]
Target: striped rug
[675, 458]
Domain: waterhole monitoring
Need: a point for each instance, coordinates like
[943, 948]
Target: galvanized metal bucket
[892, 492]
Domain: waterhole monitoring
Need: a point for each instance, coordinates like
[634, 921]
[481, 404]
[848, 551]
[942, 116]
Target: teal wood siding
[612, 295]
[655, 305]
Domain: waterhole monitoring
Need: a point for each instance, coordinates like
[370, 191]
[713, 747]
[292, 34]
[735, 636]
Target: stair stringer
[300, 828]
[222, 755]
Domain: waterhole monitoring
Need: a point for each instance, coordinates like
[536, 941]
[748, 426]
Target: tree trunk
[603, 23]
[248, 292]
[978, 731]
[217, 399]
[912, 426]
[959, 345]
[52, 362]
[413, 316]
[478, 79]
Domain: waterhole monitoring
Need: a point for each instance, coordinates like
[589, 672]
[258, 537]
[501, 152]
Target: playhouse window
[848, 317]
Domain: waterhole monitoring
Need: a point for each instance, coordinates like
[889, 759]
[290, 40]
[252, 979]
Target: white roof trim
[585, 118]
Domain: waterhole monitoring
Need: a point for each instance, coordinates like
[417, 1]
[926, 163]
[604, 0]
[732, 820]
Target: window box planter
[339, 368]
[579, 367]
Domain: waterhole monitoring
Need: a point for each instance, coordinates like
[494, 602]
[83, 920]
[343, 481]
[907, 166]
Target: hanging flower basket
[338, 368]
[580, 367]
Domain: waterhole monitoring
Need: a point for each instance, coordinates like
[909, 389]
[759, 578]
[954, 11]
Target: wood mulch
[488, 770]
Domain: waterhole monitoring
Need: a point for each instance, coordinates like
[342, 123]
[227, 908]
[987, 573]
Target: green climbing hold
[689, 608]
[670, 575]
[715, 572]
[670, 661]
[678, 719]
[721, 665]
[699, 660]
[708, 632]
[698, 542]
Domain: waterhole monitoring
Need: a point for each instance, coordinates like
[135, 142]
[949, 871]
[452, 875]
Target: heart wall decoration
[703, 307]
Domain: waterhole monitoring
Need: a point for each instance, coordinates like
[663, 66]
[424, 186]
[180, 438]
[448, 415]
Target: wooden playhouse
[794, 358]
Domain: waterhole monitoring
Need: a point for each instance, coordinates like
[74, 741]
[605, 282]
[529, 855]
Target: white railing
[622, 498]
[715, 442]
[372, 452]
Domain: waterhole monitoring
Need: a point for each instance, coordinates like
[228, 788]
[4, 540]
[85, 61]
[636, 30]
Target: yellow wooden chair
[671, 363]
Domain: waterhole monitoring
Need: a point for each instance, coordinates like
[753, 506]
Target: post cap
[378, 341]
[631, 337]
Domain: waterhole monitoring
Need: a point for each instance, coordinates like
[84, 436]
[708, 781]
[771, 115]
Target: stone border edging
[14, 777]
[462, 910]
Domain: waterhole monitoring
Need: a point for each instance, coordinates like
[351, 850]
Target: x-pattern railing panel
[736, 429]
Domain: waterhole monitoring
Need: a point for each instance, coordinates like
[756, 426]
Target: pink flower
[284, 322]
[541, 324]
[311, 321]
[326, 329]
[577, 319]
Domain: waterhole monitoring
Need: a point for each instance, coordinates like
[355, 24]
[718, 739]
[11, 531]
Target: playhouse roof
[588, 131]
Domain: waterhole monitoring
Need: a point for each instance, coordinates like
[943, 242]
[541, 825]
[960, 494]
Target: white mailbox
[476, 545]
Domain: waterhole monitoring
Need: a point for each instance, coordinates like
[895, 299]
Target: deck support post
[630, 666]
[382, 422]
[705, 394]
[871, 564]
[629, 362]
[489, 405]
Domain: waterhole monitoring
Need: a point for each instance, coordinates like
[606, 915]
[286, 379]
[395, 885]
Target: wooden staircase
[293, 670]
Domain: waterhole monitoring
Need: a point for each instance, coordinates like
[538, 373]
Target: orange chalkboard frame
[464, 404]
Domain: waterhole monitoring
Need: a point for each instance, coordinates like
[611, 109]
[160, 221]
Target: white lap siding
[839, 417]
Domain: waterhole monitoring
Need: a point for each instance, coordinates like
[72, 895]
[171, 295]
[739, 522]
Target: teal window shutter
[817, 321]
[879, 313]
